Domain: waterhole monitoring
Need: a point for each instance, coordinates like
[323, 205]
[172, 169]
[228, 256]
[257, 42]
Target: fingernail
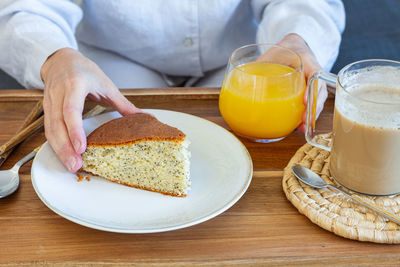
[77, 145]
[71, 164]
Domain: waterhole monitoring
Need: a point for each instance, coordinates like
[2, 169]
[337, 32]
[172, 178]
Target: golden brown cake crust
[133, 128]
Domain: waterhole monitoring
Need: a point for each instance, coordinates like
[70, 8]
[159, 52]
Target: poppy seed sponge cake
[139, 151]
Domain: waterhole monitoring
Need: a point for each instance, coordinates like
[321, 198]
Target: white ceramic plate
[221, 171]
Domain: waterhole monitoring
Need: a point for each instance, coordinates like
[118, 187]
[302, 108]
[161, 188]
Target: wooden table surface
[261, 228]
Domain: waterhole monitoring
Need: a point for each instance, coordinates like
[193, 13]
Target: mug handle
[312, 93]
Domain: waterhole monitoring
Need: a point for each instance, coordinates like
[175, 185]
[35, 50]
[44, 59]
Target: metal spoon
[310, 178]
[9, 179]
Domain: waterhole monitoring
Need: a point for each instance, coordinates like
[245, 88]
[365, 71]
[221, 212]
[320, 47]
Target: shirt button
[188, 42]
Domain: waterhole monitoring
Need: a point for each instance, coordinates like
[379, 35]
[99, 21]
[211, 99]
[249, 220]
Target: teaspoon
[310, 178]
[9, 179]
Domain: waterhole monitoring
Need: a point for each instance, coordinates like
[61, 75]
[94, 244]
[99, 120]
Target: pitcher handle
[312, 94]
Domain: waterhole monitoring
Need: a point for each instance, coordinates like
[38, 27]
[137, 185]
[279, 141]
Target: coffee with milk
[365, 149]
[365, 156]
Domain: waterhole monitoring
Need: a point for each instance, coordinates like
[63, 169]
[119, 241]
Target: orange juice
[262, 100]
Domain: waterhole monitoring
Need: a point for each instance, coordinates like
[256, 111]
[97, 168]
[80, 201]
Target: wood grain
[32, 116]
[177, 92]
[261, 229]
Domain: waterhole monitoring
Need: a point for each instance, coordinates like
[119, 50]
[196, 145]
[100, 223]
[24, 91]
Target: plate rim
[199, 220]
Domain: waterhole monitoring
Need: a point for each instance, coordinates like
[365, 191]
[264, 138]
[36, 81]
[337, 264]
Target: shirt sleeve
[30, 31]
[319, 22]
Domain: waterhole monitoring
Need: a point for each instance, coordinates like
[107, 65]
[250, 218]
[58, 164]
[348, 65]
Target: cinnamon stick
[35, 112]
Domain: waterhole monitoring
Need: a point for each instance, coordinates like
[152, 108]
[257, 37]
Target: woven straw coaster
[332, 210]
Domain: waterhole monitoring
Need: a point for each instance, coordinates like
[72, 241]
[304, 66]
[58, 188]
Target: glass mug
[365, 150]
[263, 100]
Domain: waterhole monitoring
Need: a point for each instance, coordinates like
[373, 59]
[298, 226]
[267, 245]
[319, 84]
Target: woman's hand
[69, 78]
[310, 66]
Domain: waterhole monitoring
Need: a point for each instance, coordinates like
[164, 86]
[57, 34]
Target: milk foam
[376, 93]
[371, 104]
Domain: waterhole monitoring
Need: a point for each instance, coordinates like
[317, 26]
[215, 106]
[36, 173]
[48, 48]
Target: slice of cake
[139, 151]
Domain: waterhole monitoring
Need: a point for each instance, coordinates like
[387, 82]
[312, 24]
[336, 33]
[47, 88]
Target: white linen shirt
[175, 37]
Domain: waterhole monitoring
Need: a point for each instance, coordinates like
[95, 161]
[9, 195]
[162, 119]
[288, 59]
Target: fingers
[274, 54]
[56, 132]
[302, 127]
[322, 96]
[74, 102]
[120, 103]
